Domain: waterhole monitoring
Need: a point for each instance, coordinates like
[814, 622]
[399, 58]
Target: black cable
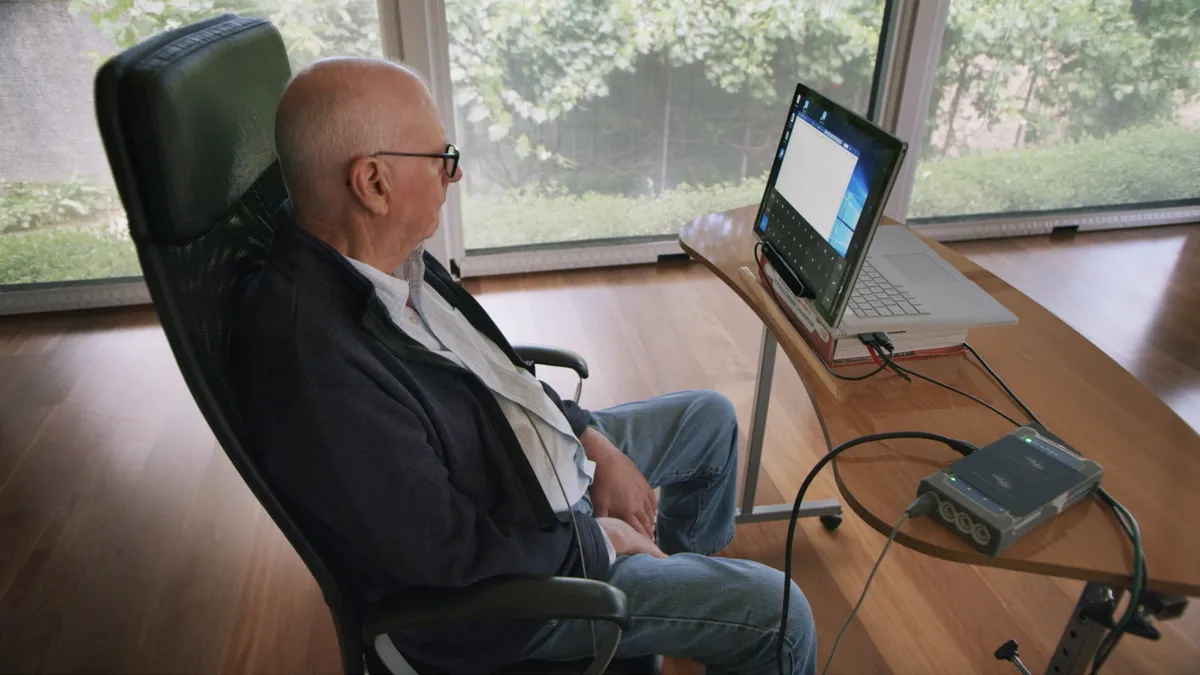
[961, 447]
[1130, 527]
[888, 360]
[1015, 399]
[853, 378]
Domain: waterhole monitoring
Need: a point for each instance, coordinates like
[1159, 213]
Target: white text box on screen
[815, 173]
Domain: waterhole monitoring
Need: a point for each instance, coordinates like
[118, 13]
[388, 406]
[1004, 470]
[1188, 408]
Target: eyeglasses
[449, 157]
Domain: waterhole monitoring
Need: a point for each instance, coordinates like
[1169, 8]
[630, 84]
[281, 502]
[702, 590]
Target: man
[396, 419]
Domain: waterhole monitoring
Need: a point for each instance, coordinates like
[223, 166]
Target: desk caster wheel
[832, 522]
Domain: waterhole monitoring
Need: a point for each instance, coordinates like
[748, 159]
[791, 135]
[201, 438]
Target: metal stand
[1082, 636]
[830, 510]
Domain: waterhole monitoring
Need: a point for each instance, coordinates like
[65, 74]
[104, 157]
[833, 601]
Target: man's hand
[626, 540]
[619, 489]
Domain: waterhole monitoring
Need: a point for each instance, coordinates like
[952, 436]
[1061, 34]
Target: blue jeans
[721, 612]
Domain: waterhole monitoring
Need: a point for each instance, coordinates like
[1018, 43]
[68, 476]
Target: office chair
[187, 120]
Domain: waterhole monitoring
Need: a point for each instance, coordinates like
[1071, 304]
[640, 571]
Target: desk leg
[758, 425]
[1082, 636]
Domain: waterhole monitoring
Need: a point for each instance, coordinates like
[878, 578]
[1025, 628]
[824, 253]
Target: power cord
[1124, 518]
[961, 447]
[921, 506]
[855, 378]
[1011, 395]
[943, 385]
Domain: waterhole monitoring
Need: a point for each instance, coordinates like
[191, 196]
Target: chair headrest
[196, 117]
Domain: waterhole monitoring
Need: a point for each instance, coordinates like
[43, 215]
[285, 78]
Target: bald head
[359, 142]
[336, 110]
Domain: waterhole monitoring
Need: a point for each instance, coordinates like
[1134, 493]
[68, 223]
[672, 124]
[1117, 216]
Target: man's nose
[458, 172]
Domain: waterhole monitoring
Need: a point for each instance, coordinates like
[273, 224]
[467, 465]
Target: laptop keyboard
[874, 295]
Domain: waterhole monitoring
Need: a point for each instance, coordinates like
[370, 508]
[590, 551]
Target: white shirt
[540, 427]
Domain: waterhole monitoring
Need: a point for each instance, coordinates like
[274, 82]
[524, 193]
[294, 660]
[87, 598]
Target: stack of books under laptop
[837, 347]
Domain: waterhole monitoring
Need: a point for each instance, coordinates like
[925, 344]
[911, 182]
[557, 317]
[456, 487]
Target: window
[600, 127]
[1044, 106]
[584, 122]
[60, 218]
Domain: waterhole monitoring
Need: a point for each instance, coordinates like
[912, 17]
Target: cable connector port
[884, 342]
[925, 505]
[879, 340]
[879, 343]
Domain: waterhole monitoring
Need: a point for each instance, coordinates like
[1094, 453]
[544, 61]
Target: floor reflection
[1133, 293]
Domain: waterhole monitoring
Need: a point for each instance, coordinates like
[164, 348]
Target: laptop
[818, 225]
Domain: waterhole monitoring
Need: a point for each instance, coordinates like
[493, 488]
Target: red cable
[873, 357]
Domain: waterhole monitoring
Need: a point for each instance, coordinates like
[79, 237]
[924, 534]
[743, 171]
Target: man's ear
[370, 182]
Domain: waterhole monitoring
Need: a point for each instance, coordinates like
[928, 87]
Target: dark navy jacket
[402, 460]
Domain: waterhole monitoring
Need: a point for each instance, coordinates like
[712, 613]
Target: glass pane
[60, 219]
[1061, 104]
[602, 119]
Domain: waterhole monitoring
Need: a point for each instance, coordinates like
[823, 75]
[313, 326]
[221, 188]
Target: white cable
[571, 511]
[912, 509]
[563, 490]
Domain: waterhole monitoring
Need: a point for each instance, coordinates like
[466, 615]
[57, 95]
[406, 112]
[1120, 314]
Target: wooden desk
[1150, 456]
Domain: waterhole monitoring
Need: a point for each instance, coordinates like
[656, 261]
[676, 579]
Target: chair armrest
[553, 356]
[553, 598]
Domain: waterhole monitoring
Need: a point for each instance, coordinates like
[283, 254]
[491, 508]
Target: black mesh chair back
[187, 120]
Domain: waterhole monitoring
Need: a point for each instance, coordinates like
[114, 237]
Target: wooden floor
[129, 544]
[1133, 293]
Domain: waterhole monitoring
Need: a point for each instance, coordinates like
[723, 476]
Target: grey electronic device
[998, 493]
